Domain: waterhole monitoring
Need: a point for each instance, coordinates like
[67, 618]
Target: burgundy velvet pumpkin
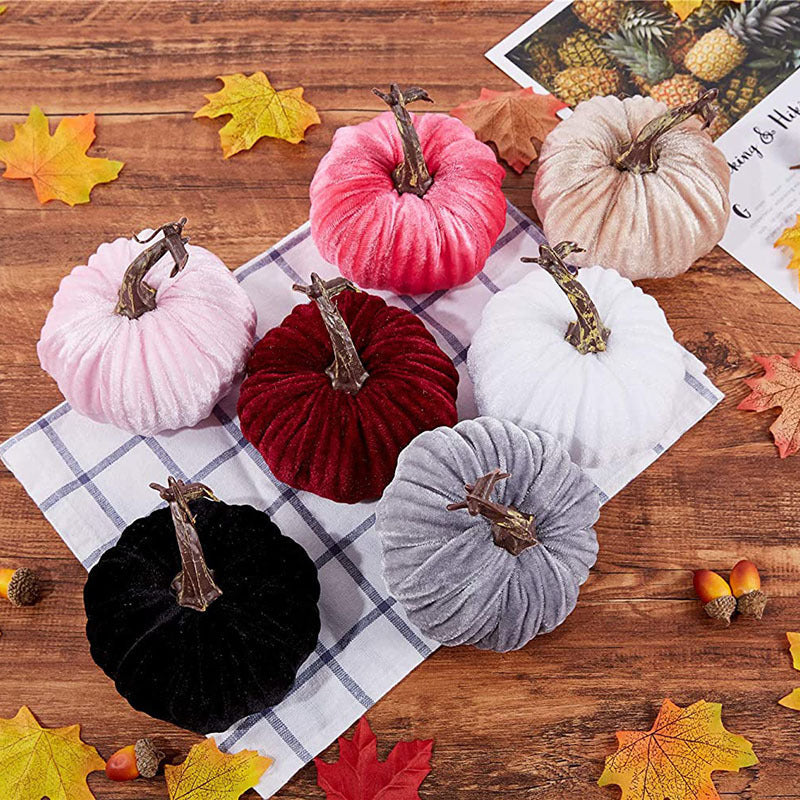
[340, 387]
[411, 204]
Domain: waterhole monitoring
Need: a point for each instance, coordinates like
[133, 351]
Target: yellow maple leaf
[792, 700]
[257, 110]
[675, 758]
[57, 164]
[209, 774]
[37, 762]
[791, 238]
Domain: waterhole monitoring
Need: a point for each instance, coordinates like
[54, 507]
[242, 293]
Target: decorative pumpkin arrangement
[487, 533]
[605, 384]
[411, 204]
[648, 193]
[148, 357]
[212, 629]
[340, 387]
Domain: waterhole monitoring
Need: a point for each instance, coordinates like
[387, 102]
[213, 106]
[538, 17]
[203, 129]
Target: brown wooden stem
[411, 175]
[587, 334]
[511, 529]
[640, 155]
[137, 297]
[347, 373]
[194, 586]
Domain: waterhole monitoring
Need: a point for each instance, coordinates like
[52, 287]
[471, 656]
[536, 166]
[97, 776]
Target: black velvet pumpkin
[202, 646]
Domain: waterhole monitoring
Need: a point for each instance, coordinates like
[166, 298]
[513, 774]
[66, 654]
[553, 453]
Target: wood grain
[533, 724]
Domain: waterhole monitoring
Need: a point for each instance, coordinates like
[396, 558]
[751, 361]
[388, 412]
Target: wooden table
[536, 723]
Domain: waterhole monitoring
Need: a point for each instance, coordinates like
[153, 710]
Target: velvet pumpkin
[148, 356]
[202, 612]
[606, 384]
[340, 387]
[410, 204]
[644, 187]
[487, 533]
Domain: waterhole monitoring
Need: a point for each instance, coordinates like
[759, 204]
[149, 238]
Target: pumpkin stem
[587, 334]
[411, 175]
[641, 156]
[194, 586]
[135, 296]
[347, 373]
[511, 529]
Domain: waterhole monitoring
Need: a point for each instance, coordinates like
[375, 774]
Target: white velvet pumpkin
[164, 360]
[603, 405]
[648, 213]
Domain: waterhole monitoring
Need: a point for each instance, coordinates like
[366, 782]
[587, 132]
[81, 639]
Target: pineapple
[576, 84]
[601, 15]
[755, 23]
[742, 92]
[582, 49]
[543, 61]
[676, 91]
[683, 41]
[719, 124]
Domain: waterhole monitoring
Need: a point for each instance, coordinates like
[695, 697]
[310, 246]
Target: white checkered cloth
[91, 481]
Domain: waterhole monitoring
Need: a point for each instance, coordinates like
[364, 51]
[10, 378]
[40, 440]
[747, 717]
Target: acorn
[136, 760]
[746, 586]
[713, 590]
[20, 586]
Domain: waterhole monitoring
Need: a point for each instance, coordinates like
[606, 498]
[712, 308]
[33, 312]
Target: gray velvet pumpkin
[487, 533]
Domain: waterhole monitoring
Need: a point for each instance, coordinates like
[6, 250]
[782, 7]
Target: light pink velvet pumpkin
[148, 356]
[411, 204]
[645, 187]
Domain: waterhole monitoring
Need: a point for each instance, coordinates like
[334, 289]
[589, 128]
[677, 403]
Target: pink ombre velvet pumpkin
[382, 239]
[165, 369]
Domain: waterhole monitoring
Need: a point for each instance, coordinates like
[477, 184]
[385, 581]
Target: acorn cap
[148, 758]
[721, 608]
[752, 604]
[23, 588]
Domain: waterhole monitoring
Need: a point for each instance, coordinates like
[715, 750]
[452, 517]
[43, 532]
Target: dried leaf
[779, 386]
[209, 774]
[57, 164]
[683, 8]
[257, 110]
[791, 238]
[513, 121]
[358, 775]
[37, 762]
[793, 700]
[675, 758]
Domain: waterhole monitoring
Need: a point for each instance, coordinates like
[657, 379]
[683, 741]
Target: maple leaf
[257, 110]
[683, 8]
[791, 238]
[513, 121]
[209, 774]
[675, 758]
[358, 775]
[57, 164]
[779, 386]
[792, 700]
[37, 762]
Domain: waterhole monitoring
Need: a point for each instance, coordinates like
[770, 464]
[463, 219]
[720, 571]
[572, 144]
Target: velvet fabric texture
[454, 582]
[384, 240]
[603, 406]
[338, 445]
[168, 368]
[203, 670]
[651, 225]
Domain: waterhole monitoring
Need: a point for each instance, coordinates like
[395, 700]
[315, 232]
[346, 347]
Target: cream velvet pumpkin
[606, 385]
[646, 190]
[148, 356]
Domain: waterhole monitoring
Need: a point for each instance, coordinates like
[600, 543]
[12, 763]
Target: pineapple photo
[600, 47]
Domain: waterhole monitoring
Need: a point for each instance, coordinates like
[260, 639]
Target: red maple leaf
[779, 386]
[358, 775]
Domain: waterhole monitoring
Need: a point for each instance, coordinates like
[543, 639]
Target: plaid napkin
[91, 481]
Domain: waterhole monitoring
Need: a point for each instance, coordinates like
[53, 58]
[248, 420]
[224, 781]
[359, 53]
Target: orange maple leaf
[675, 758]
[779, 386]
[57, 164]
[513, 120]
[790, 238]
[683, 8]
